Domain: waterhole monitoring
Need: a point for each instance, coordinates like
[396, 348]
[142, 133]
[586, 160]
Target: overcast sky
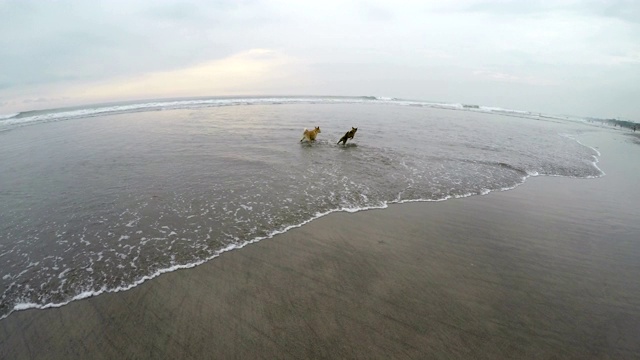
[560, 57]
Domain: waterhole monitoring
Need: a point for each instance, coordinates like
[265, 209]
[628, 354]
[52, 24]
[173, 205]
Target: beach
[547, 270]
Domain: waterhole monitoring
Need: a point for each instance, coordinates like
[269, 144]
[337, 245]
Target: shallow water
[103, 203]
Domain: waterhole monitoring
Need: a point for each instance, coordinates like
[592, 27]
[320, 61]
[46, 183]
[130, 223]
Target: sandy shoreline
[546, 270]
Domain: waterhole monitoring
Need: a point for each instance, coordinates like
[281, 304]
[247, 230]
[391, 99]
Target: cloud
[375, 12]
[43, 100]
[420, 49]
[56, 42]
[629, 58]
[511, 78]
[250, 72]
[624, 10]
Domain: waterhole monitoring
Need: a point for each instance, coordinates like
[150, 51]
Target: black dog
[348, 135]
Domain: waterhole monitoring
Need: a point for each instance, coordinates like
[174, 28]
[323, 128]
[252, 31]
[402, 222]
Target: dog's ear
[317, 127]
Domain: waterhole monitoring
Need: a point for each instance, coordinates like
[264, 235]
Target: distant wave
[39, 116]
[501, 110]
[43, 116]
[382, 98]
[8, 116]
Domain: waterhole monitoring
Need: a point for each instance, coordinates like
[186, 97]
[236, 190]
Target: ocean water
[103, 198]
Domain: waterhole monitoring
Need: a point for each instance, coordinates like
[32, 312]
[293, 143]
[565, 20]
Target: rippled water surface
[105, 202]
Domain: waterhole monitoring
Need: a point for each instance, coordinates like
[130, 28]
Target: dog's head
[317, 129]
[353, 130]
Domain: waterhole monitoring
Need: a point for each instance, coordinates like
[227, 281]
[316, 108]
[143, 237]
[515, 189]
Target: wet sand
[548, 270]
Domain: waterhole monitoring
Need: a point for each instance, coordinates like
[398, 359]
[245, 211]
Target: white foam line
[8, 116]
[230, 247]
[595, 158]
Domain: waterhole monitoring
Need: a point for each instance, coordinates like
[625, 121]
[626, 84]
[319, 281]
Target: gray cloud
[626, 10]
[79, 40]
[562, 56]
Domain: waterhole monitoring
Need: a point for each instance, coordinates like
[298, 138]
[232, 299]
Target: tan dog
[310, 135]
[349, 135]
